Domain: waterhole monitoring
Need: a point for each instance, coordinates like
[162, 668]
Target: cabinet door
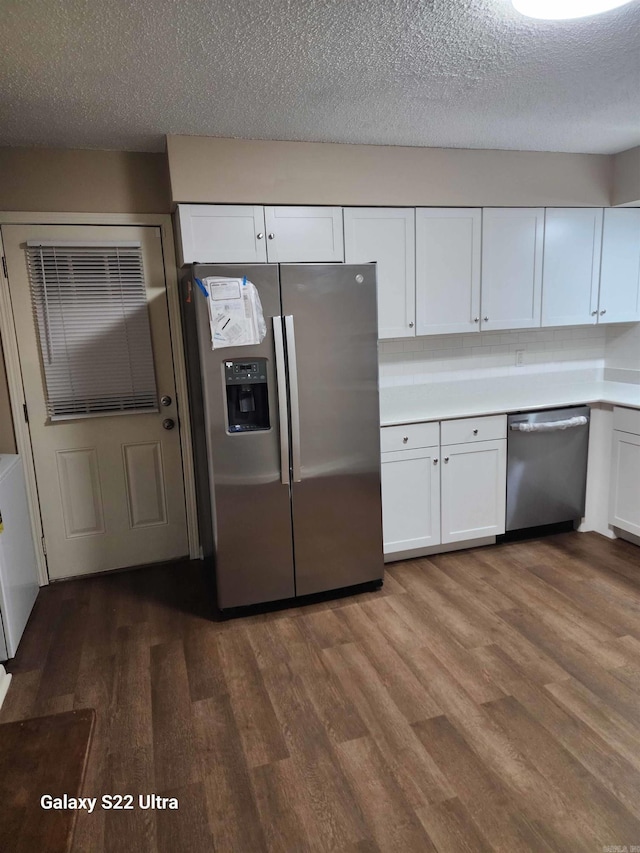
[572, 244]
[304, 234]
[447, 270]
[474, 478]
[624, 508]
[512, 244]
[620, 267]
[410, 499]
[386, 236]
[221, 234]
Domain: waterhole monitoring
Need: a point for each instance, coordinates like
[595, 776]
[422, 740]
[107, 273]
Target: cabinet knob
[411, 325]
[476, 319]
[271, 236]
[446, 458]
[604, 311]
[475, 432]
[593, 313]
[486, 319]
[405, 439]
[260, 236]
[435, 461]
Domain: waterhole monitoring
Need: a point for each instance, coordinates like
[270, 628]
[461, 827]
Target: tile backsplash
[442, 358]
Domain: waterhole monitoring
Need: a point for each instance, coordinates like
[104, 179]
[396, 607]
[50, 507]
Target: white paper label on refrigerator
[235, 312]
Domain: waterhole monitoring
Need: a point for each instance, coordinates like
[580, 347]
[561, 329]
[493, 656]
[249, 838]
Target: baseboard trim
[439, 549]
[5, 680]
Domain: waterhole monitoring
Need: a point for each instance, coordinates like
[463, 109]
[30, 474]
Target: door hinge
[26, 413]
[4, 267]
[44, 547]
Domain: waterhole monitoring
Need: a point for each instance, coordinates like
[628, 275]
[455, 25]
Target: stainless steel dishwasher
[546, 466]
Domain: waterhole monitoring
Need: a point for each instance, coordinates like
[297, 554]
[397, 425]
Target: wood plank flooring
[485, 700]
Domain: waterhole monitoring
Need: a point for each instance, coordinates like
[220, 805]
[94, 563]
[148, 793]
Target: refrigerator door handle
[282, 400]
[293, 395]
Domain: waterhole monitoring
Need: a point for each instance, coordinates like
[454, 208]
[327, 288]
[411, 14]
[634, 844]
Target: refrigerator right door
[332, 358]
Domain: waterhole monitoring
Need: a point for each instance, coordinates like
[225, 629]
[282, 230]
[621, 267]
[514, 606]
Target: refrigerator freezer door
[250, 503]
[336, 508]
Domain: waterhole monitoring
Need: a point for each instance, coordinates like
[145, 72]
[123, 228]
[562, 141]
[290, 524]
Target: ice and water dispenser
[247, 395]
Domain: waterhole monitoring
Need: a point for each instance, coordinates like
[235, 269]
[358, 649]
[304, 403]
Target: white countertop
[437, 401]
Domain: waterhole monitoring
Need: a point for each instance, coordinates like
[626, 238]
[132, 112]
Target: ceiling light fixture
[558, 10]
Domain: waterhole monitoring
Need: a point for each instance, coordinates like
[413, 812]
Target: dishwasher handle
[549, 426]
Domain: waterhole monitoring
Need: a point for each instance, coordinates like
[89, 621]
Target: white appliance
[18, 568]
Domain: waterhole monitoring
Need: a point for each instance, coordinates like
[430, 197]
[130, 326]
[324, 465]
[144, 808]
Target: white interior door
[110, 486]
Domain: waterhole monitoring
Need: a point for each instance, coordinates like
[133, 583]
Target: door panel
[304, 234]
[386, 236]
[474, 480]
[251, 534]
[221, 233]
[447, 270]
[336, 505]
[620, 269]
[512, 246]
[410, 499]
[572, 247]
[92, 498]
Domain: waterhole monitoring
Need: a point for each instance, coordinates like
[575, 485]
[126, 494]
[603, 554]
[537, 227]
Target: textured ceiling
[450, 73]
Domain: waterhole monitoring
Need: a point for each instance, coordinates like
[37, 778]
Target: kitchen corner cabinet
[512, 249]
[619, 300]
[386, 236]
[624, 506]
[572, 246]
[228, 234]
[451, 489]
[448, 245]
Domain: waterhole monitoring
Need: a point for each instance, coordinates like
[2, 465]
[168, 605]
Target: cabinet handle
[271, 236]
[435, 461]
[485, 319]
[593, 313]
[446, 458]
[260, 236]
[476, 319]
[604, 311]
[475, 432]
[411, 325]
[405, 439]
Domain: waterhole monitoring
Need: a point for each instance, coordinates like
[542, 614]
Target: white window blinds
[92, 319]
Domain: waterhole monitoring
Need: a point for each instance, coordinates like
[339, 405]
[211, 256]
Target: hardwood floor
[485, 700]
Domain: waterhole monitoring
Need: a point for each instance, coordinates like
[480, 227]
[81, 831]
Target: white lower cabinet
[440, 494]
[410, 499]
[624, 508]
[473, 497]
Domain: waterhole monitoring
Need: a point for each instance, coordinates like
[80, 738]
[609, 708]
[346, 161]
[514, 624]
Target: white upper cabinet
[387, 236]
[304, 234]
[448, 244]
[221, 233]
[572, 243]
[512, 245]
[620, 267]
[253, 234]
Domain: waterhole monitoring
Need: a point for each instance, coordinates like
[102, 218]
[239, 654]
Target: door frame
[9, 341]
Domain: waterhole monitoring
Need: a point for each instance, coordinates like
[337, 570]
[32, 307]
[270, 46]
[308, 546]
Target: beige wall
[61, 180]
[7, 439]
[205, 169]
[626, 177]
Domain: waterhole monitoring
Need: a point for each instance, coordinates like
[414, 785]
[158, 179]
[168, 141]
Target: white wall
[441, 358]
[622, 355]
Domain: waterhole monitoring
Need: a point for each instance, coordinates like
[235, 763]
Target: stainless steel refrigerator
[286, 434]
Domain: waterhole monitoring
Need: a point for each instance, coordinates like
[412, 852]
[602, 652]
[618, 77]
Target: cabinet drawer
[474, 429]
[626, 420]
[409, 436]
